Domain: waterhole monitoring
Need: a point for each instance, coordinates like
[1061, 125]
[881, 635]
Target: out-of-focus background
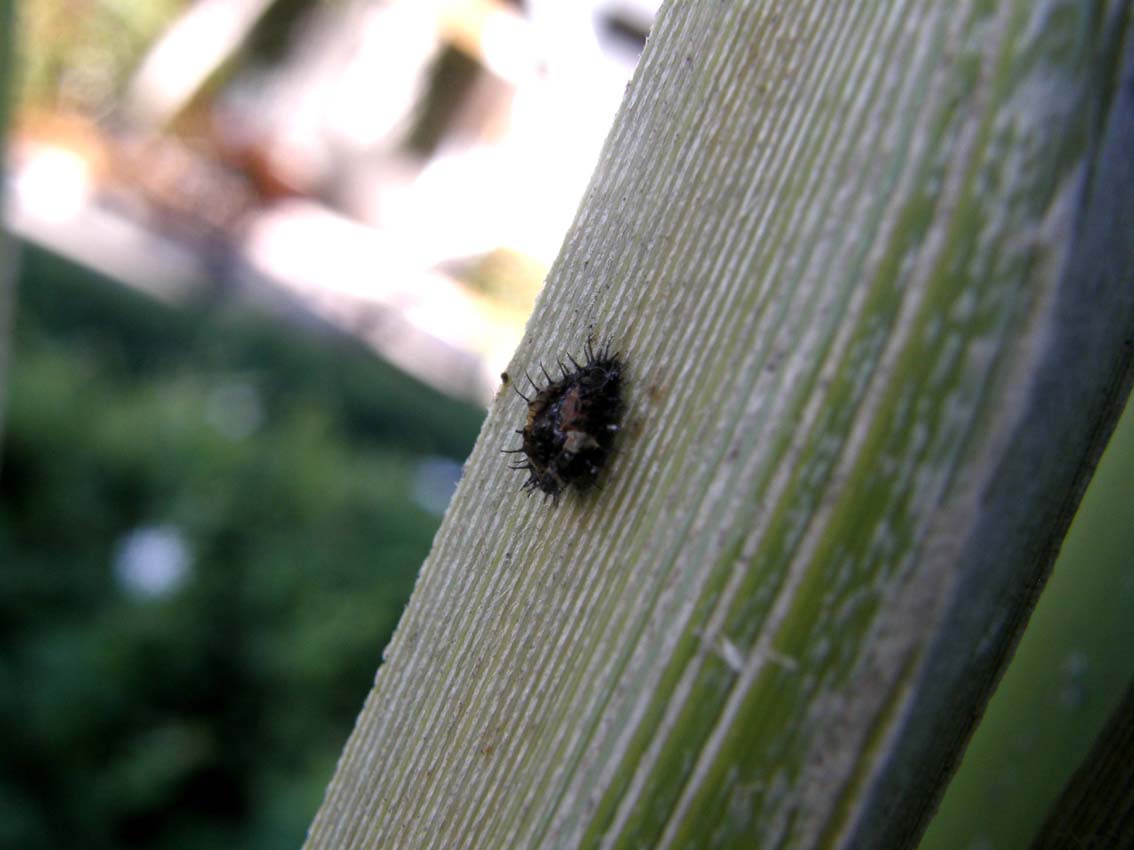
[275, 254]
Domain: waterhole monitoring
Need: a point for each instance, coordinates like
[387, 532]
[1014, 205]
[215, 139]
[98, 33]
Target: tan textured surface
[866, 368]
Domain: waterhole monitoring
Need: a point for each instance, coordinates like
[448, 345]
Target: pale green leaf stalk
[869, 265]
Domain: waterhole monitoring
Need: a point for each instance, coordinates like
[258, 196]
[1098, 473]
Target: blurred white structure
[373, 174]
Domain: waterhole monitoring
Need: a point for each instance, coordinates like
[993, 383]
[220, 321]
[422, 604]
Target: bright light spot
[391, 44]
[434, 481]
[507, 46]
[151, 561]
[54, 183]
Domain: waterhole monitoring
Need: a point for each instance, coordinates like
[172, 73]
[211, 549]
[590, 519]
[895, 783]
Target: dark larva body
[571, 424]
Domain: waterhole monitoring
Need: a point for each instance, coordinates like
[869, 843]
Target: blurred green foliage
[210, 716]
[79, 53]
